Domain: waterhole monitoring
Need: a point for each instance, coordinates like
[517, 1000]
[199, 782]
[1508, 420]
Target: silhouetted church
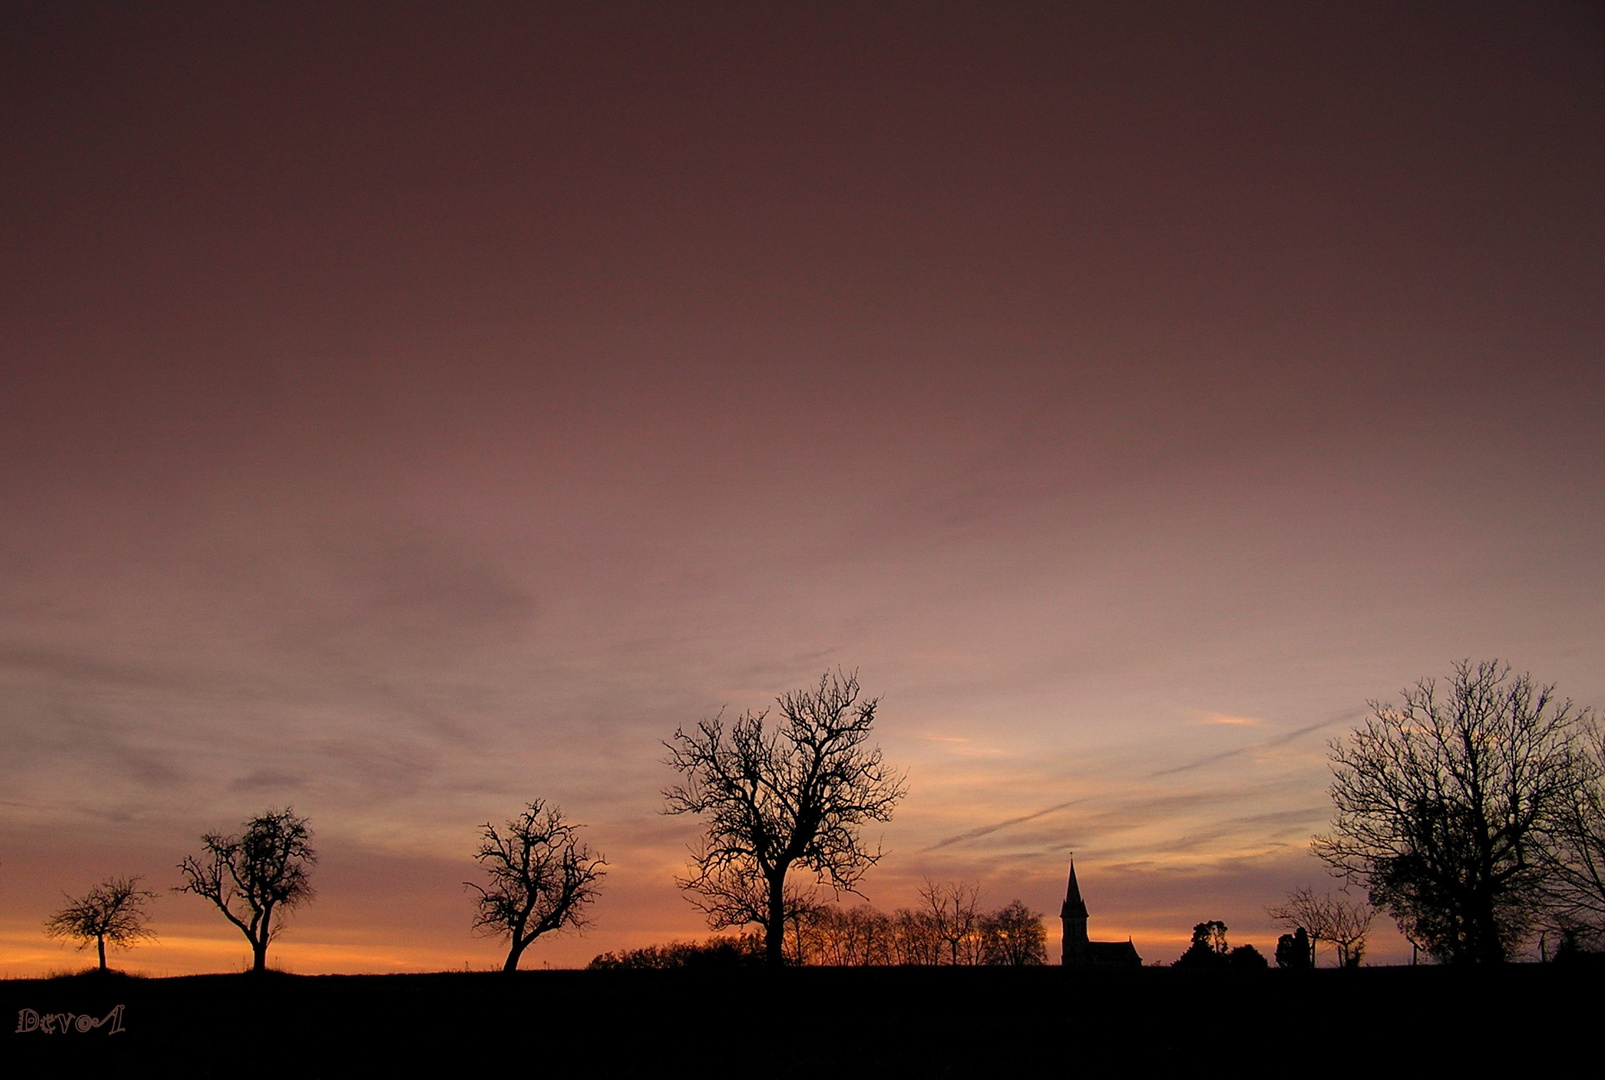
[1078, 951]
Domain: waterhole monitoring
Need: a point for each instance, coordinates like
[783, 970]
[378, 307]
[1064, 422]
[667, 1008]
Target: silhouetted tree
[858, 936]
[1246, 958]
[257, 877]
[112, 912]
[1295, 951]
[955, 912]
[541, 878]
[867, 936]
[1576, 851]
[793, 795]
[914, 942]
[1441, 807]
[1208, 949]
[1014, 936]
[1342, 923]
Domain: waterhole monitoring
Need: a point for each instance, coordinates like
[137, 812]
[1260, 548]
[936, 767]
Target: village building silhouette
[1078, 951]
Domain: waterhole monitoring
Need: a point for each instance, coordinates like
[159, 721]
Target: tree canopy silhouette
[1013, 935]
[1442, 804]
[257, 877]
[780, 796]
[1295, 950]
[112, 912]
[541, 878]
[1208, 948]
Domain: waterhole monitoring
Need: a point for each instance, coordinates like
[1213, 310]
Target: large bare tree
[1442, 803]
[256, 878]
[782, 796]
[541, 878]
[112, 912]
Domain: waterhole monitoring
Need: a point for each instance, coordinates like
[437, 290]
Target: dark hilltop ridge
[930, 1022]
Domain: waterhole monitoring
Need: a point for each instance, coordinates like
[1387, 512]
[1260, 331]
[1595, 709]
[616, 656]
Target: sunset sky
[407, 411]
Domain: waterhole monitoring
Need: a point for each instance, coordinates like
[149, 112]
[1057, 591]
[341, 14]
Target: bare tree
[792, 795]
[1013, 936]
[955, 911]
[112, 912]
[541, 879]
[257, 877]
[1442, 804]
[1333, 919]
[914, 940]
[861, 937]
[1577, 835]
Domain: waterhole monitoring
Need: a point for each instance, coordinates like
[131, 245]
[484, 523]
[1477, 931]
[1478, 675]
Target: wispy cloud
[987, 830]
[1232, 721]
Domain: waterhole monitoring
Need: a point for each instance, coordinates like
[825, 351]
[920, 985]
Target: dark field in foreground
[811, 1021]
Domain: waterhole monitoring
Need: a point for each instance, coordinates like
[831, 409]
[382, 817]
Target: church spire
[1073, 905]
[1074, 917]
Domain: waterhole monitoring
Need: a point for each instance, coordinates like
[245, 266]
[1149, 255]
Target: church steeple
[1073, 904]
[1074, 917]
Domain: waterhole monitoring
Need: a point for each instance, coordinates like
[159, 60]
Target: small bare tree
[112, 912]
[541, 878]
[778, 798]
[1339, 922]
[257, 877]
[955, 911]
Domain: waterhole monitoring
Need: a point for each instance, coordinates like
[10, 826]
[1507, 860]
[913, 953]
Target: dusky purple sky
[409, 411]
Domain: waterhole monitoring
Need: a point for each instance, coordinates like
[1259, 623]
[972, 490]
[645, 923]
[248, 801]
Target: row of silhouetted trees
[950, 928]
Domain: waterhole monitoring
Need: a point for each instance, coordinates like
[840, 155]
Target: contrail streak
[975, 834]
[1241, 750]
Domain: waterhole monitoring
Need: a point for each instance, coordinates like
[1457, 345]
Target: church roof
[1112, 953]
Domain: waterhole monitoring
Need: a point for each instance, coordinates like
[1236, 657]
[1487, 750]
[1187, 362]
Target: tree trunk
[259, 955]
[1488, 948]
[513, 955]
[775, 930]
[100, 943]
